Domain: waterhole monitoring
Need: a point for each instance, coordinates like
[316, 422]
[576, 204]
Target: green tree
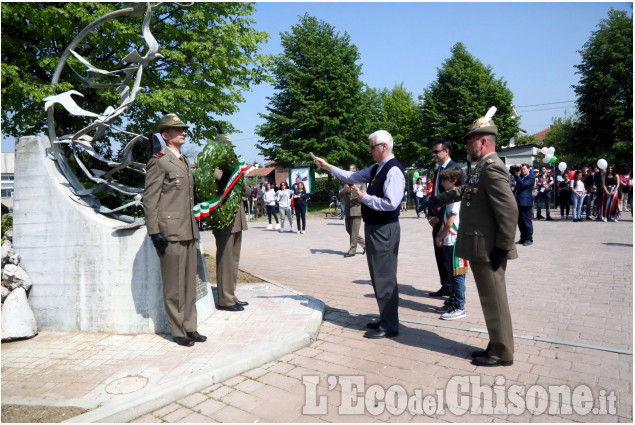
[319, 105]
[398, 113]
[464, 90]
[210, 56]
[528, 139]
[605, 91]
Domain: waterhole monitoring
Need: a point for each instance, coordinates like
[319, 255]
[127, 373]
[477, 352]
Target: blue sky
[532, 46]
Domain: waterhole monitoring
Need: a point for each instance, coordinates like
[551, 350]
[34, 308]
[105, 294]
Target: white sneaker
[291, 229]
[269, 227]
[299, 231]
[454, 314]
[278, 226]
[302, 231]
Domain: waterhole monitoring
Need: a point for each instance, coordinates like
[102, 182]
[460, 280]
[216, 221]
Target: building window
[7, 178]
[7, 193]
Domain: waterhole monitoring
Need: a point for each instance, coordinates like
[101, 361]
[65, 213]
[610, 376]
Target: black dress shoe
[234, 307]
[348, 254]
[380, 333]
[364, 251]
[479, 353]
[243, 303]
[440, 293]
[528, 243]
[490, 361]
[197, 337]
[520, 242]
[372, 325]
[185, 341]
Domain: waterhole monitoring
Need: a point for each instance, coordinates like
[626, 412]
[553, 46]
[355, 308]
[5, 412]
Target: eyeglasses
[437, 150]
[371, 147]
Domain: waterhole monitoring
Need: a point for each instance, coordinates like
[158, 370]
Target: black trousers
[382, 249]
[444, 266]
[525, 225]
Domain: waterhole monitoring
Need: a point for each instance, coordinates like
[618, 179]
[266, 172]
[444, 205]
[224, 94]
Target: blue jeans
[342, 209]
[419, 201]
[457, 283]
[588, 198]
[577, 204]
[543, 198]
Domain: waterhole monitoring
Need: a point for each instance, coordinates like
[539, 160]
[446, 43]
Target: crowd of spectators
[599, 194]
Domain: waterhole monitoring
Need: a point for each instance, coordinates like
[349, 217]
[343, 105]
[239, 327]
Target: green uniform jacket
[489, 213]
[240, 222]
[168, 197]
[352, 204]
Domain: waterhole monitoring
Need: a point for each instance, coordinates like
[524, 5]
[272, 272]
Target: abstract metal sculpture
[82, 140]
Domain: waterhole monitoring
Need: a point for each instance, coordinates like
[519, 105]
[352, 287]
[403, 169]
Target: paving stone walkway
[571, 300]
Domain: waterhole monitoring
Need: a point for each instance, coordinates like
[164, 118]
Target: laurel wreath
[217, 155]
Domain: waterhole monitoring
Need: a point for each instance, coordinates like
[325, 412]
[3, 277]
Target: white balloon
[562, 166]
[544, 150]
[602, 164]
[552, 150]
[546, 159]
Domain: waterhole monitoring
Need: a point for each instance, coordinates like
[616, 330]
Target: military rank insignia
[159, 154]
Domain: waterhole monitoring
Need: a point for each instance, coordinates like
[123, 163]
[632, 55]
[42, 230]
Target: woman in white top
[577, 195]
[420, 194]
[269, 198]
[283, 196]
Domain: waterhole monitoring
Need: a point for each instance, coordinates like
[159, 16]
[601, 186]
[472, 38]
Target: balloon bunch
[549, 158]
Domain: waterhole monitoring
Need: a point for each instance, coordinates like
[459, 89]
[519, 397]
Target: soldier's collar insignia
[159, 154]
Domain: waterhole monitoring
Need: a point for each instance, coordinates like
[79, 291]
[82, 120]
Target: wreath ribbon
[204, 208]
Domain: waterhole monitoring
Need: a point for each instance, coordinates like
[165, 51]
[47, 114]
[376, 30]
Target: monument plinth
[86, 275]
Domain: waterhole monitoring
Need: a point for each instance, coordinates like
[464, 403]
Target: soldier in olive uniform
[228, 245]
[167, 203]
[353, 216]
[489, 215]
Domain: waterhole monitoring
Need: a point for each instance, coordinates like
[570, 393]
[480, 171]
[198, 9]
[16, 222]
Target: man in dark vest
[380, 211]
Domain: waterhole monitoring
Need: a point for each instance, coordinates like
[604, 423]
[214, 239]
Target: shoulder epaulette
[490, 161]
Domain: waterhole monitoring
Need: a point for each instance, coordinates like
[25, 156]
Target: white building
[8, 162]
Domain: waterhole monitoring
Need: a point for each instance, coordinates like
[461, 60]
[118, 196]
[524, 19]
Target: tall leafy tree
[463, 91]
[210, 57]
[398, 113]
[319, 105]
[605, 91]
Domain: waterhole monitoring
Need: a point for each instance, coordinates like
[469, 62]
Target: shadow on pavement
[409, 336]
[327, 251]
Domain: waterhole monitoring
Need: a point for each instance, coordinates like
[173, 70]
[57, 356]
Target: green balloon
[553, 159]
[416, 175]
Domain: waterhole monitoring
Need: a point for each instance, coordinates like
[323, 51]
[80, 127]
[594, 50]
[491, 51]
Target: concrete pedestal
[86, 275]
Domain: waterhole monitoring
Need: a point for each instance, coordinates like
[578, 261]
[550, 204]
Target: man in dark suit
[486, 237]
[524, 185]
[441, 150]
[168, 199]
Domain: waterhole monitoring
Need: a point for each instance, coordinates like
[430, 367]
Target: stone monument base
[86, 275]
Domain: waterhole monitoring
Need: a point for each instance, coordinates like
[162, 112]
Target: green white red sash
[204, 208]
